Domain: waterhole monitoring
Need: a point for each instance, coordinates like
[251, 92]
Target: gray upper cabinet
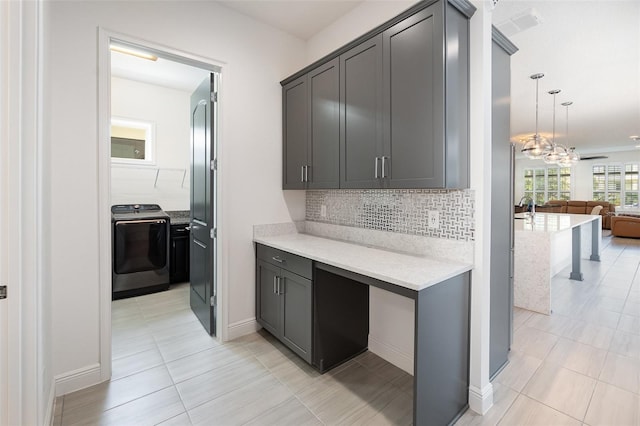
[403, 104]
[361, 115]
[324, 127]
[414, 101]
[295, 133]
[311, 129]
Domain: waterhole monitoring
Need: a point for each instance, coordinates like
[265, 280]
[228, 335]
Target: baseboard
[242, 328]
[481, 400]
[391, 354]
[77, 379]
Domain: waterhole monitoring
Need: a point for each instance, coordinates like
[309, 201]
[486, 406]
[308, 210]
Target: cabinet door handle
[280, 286]
[277, 259]
[306, 173]
[301, 173]
[375, 166]
[383, 166]
[275, 284]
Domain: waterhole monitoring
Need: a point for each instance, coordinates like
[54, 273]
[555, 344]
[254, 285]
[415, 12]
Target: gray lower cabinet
[311, 129]
[284, 299]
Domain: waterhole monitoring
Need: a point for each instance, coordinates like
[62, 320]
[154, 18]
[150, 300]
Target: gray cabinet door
[501, 212]
[295, 133]
[296, 294]
[267, 298]
[413, 62]
[361, 115]
[324, 128]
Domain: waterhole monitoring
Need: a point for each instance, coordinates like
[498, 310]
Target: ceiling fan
[593, 157]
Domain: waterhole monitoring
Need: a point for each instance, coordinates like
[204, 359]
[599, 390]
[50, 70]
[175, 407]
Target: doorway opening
[147, 156]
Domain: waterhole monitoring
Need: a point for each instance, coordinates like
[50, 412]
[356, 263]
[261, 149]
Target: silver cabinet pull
[280, 285]
[277, 259]
[275, 284]
[306, 173]
[383, 167]
[375, 166]
[301, 173]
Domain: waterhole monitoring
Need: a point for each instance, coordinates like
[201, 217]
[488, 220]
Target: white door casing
[105, 37]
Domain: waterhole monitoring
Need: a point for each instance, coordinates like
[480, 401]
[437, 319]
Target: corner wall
[255, 58]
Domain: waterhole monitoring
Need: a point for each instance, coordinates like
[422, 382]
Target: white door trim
[25, 371]
[105, 36]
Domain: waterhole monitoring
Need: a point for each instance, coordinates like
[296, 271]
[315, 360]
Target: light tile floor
[581, 366]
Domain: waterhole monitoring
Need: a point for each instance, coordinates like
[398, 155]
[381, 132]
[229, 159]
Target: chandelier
[536, 146]
[539, 147]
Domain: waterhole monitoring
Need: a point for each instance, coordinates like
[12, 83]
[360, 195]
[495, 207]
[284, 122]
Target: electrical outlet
[323, 210]
[434, 219]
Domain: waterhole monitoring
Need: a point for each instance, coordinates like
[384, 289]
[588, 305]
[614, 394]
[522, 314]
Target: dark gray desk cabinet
[403, 103]
[284, 298]
[311, 129]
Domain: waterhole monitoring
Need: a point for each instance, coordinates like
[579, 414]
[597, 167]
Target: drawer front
[291, 262]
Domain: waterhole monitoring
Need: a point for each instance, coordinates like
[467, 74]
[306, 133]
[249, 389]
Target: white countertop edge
[445, 268]
[574, 218]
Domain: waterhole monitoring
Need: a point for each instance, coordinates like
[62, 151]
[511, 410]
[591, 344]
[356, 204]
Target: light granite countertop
[551, 222]
[405, 270]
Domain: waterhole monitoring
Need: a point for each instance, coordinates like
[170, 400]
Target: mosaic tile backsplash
[397, 210]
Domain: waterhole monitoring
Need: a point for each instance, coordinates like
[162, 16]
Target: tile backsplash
[396, 210]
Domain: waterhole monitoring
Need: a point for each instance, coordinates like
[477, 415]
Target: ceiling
[588, 49]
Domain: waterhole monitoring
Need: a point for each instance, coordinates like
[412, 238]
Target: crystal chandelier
[536, 146]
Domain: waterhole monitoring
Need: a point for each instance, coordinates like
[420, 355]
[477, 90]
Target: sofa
[579, 207]
[625, 226]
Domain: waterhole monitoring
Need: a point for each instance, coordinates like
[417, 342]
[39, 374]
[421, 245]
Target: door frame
[105, 37]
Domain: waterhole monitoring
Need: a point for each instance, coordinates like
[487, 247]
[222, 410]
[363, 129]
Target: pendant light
[572, 156]
[558, 152]
[536, 146]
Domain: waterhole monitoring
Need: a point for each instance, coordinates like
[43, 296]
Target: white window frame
[623, 190]
[547, 194]
[149, 141]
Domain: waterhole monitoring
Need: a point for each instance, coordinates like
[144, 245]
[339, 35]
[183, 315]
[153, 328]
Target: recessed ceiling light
[133, 52]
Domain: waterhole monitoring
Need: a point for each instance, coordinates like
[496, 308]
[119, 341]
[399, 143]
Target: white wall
[256, 58]
[168, 110]
[581, 173]
[391, 330]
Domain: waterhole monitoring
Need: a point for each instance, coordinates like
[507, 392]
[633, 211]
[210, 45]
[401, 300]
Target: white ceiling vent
[519, 22]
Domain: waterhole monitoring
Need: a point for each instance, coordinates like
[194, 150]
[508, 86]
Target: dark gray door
[413, 66]
[501, 212]
[295, 128]
[268, 299]
[202, 245]
[324, 131]
[361, 115]
[295, 293]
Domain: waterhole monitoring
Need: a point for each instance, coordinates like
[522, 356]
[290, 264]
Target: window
[132, 142]
[616, 183]
[550, 183]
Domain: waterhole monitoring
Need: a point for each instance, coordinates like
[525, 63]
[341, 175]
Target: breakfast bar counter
[540, 245]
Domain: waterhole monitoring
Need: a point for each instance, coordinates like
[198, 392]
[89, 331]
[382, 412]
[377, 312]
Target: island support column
[576, 247]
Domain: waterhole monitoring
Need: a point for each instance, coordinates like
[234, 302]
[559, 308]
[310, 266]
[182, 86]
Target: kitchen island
[541, 248]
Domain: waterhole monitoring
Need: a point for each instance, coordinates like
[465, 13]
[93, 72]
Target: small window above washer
[132, 142]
